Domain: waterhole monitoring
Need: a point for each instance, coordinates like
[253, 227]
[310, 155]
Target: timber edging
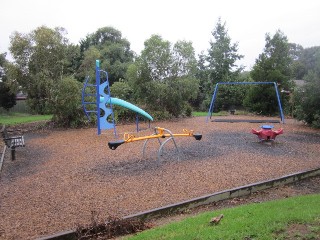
[204, 200]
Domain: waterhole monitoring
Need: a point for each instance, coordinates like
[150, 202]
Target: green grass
[268, 220]
[221, 113]
[202, 114]
[18, 118]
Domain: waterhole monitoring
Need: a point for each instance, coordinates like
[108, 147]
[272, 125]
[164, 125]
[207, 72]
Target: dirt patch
[61, 176]
[299, 231]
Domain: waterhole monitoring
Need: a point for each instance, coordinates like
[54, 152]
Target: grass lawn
[292, 218]
[201, 114]
[18, 118]
[221, 113]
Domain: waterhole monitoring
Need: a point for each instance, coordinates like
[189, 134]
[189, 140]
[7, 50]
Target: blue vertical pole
[212, 102]
[137, 122]
[98, 94]
[279, 102]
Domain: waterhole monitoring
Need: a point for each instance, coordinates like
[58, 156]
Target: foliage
[162, 78]
[40, 61]
[222, 56]
[7, 98]
[2, 70]
[297, 67]
[122, 90]
[307, 101]
[306, 60]
[202, 100]
[261, 99]
[108, 45]
[230, 97]
[273, 65]
[218, 65]
[66, 104]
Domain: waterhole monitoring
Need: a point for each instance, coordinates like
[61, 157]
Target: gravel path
[62, 176]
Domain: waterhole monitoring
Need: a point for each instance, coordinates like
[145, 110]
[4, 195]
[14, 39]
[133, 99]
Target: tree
[7, 97]
[2, 63]
[40, 62]
[306, 60]
[163, 77]
[184, 61]
[66, 107]
[307, 100]
[221, 67]
[113, 50]
[297, 67]
[273, 65]
[222, 56]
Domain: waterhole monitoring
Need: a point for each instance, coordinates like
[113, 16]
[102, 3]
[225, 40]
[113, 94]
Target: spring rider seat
[266, 134]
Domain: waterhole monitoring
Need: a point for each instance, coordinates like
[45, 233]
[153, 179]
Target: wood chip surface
[61, 176]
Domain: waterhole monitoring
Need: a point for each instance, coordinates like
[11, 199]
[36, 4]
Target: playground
[62, 177]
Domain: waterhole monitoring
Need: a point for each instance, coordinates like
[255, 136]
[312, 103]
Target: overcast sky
[247, 21]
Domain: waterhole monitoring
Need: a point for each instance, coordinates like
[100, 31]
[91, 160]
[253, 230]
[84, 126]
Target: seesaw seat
[115, 144]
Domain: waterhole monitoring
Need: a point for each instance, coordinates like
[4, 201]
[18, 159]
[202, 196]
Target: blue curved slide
[130, 106]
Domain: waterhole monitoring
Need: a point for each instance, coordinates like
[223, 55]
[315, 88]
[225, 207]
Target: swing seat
[115, 144]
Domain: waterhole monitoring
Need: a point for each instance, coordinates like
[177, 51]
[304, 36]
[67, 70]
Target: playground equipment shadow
[62, 176]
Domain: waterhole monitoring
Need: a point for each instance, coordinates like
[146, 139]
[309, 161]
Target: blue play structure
[104, 102]
[243, 83]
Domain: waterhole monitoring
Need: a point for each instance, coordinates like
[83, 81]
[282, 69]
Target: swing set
[265, 134]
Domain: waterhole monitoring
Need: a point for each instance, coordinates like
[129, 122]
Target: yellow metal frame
[159, 133]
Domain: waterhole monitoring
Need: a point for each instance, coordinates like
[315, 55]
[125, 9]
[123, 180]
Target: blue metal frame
[243, 83]
[102, 101]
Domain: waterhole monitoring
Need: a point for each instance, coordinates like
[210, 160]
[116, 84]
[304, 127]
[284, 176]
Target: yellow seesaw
[158, 133]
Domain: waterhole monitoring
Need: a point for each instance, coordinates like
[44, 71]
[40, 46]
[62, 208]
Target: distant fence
[20, 107]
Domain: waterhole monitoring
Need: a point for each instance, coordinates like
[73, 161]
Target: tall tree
[307, 100]
[163, 76]
[222, 66]
[184, 60]
[40, 61]
[7, 97]
[273, 65]
[114, 51]
[308, 60]
[222, 56]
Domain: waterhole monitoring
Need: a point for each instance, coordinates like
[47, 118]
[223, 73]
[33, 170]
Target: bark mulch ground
[62, 176]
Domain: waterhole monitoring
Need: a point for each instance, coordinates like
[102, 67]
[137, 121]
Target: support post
[279, 103]
[212, 102]
[98, 94]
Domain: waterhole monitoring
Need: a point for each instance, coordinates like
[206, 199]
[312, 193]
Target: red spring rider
[266, 133]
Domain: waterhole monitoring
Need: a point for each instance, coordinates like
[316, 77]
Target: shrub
[7, 98]
[307, 102]
[66, 104]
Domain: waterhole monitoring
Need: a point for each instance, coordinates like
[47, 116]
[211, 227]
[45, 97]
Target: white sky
[247, 21]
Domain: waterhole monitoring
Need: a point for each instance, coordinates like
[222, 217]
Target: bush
[307, 102]
[7, 98]
[261, 100]
[66, 105]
